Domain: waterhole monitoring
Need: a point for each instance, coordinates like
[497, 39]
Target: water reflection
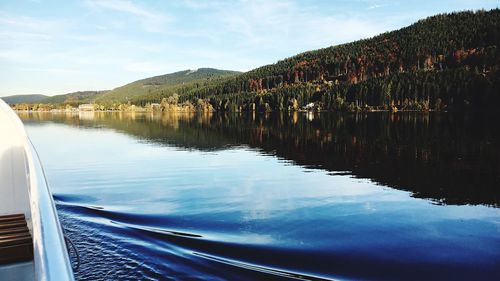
[451, 159]
[281, 197]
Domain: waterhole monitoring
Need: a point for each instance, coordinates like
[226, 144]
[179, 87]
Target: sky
[56, 47]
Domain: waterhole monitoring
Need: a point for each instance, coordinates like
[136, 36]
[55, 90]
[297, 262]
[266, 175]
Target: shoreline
[243, 111]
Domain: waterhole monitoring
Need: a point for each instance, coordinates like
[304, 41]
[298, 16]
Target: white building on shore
[86, 107]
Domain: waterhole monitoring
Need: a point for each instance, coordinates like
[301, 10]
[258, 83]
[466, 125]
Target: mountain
[23, 98]
[163, 85]
[445, 62]
[74, 98]
[157, 85]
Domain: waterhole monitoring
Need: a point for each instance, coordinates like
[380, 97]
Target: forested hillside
[445, 62]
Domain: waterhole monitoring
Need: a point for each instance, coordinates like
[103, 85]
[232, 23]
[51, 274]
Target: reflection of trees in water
[443, 157]
[451, 158]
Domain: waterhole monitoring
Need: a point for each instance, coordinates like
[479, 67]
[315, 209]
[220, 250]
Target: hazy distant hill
[74, 98]
[163, 84]
[23, 98]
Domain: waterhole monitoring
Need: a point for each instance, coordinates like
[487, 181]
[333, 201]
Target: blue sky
[55, 47]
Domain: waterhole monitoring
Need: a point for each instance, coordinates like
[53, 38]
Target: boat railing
[51, 259]
[50, 254]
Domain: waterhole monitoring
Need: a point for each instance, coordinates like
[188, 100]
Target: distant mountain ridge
[163, 85]
[23, 98]
[74, 98]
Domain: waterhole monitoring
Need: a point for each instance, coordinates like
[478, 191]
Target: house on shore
[86, 107]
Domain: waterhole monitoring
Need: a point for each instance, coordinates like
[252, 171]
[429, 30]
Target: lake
[291, 196]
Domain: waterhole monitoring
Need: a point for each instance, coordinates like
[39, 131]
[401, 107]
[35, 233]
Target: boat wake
[118, 245]
[115, 246]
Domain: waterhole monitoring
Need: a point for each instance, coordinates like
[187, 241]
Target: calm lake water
[281, 197]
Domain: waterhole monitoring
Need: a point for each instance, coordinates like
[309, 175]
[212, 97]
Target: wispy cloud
[124, 6]
[20, 36]
[21, 26]
[288, 25]
[22, 22]
[194, 4]
[151, 21]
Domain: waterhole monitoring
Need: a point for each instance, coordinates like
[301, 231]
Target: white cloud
[21, 29]
[193, 4]
[124, 6]
[20, 36]
[151, 21]
[24, 22]
[285, 24]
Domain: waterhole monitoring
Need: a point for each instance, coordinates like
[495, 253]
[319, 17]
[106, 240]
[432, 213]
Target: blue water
[140, 209]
